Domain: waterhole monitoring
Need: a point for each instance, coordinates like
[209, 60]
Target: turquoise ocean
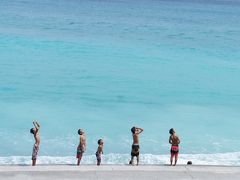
[108, 65]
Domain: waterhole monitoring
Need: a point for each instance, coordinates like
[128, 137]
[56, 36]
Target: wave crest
[146, 159]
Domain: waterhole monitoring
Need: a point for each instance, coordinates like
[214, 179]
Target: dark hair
[32, 131]
[189, 163]
[133, 130]
[99, 141]
[171, 131]
[80, 131]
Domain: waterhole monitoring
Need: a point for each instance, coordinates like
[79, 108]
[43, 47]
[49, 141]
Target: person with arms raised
[35, 132]
[135, 146]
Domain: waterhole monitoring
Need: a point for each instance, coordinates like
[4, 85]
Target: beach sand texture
[89, 172]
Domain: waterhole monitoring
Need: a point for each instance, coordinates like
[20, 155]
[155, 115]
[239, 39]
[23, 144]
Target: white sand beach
[108, 172]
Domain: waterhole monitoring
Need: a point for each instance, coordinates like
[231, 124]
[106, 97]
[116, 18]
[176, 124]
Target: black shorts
[135, 150]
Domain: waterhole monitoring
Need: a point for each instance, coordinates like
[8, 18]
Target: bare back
[174, 140]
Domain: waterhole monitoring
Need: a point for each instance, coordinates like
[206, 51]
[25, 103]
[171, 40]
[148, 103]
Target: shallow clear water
[108, 65]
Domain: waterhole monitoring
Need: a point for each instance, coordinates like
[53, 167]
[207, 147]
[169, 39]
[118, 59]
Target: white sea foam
[197, 159]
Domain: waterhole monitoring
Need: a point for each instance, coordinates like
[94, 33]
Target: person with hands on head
[135, 146]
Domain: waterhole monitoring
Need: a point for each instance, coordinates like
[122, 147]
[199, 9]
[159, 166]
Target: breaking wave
[120, 159]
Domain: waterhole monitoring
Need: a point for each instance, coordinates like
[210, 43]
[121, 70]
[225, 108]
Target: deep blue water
[106, 65]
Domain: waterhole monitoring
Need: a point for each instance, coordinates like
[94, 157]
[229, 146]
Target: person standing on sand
[82, 146]
[174, 141]
[99, 152]
[135, 146]
[35, 133]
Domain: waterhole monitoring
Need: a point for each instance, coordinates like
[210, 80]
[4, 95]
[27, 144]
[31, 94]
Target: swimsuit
[174, 150]
[135, 150]
[80, 150]
[98, 156]
[35, 152]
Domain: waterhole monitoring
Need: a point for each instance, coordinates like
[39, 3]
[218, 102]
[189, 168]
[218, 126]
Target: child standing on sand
[82, 146]
[99, 152]
[35, 133]
[174, 141]
[135, 146]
